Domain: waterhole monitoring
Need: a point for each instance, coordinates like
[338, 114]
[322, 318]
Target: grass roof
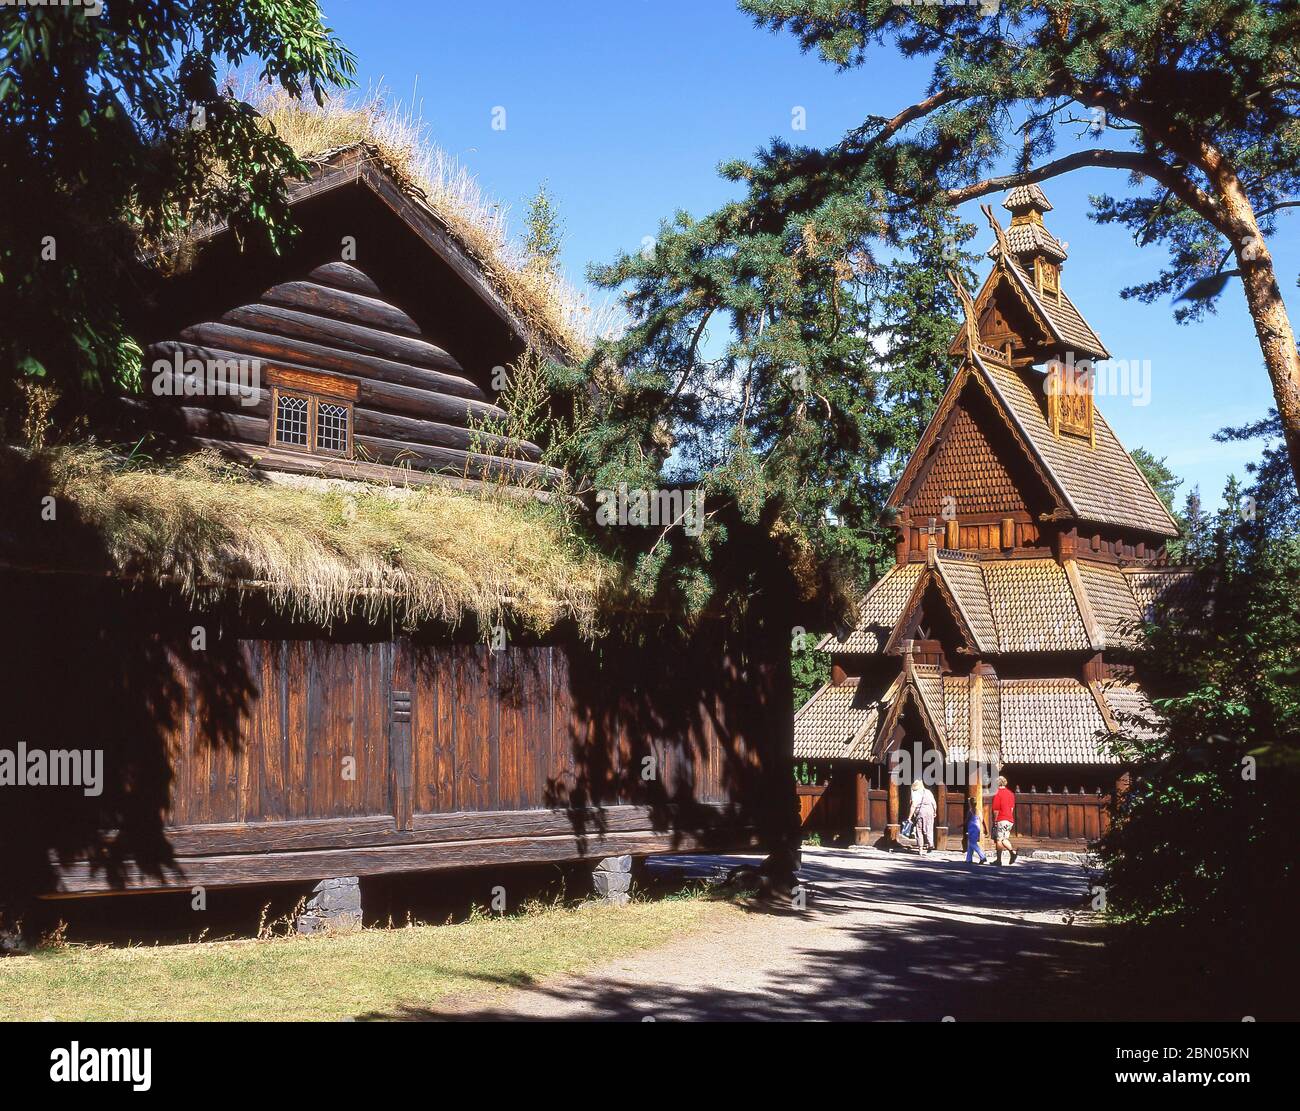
[320, 551]
[400, 140]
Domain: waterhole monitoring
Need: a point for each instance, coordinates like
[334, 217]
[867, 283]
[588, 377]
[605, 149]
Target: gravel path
[883, 936]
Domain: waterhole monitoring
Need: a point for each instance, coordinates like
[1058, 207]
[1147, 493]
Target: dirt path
[882, 937]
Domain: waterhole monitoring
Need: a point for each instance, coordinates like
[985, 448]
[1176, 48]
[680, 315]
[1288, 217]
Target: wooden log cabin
[1030, 550]
[292, 749]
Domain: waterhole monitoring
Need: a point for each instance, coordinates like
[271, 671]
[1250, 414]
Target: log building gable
[347, 366]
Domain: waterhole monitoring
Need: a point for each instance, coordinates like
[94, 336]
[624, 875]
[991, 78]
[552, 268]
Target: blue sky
[626, 107]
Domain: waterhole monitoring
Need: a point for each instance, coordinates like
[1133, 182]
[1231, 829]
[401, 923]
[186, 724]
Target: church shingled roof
[1051, 721]
[1025, 197]
[1102, 484]
[1065, 320]
[837, 723]
[878, 612]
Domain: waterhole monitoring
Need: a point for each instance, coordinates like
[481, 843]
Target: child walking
[974, 830]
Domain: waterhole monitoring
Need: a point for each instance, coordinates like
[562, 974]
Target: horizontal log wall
[333, 334]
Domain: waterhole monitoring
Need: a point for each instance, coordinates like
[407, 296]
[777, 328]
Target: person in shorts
[1004, 820]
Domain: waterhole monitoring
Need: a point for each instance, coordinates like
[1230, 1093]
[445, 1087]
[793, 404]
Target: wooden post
[941, 816]
[893, 824]
[862, 806]
[980, 674]
[903, 546]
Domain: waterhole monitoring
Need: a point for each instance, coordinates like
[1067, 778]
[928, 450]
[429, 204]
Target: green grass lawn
[365, 973]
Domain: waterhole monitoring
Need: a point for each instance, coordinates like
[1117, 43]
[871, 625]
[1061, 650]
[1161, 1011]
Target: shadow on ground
[882, 938]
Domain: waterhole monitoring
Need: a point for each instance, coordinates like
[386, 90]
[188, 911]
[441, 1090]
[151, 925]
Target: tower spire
[1038, 252]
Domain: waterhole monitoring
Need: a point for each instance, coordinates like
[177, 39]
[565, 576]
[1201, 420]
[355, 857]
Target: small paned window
[291, 421]
[331, 427]
[313, 424]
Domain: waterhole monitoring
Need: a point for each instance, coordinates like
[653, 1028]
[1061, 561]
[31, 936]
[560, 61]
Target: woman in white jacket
[922, 814]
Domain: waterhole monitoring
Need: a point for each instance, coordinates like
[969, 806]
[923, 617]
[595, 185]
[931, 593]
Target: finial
[970, 327]
[1004, 248]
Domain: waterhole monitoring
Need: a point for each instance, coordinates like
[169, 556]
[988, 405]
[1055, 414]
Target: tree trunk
[1267, 309]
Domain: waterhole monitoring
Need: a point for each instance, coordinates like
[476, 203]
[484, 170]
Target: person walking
[1004, 820]
[922, 815]
[974, 831]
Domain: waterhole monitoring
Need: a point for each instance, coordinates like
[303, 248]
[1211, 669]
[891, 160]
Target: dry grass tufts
[424, 553]
[401, 140]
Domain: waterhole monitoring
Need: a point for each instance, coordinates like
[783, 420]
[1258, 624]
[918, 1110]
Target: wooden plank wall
[828, 808]
[488, 730]
[315, 739]
[1055, 816]
[273, 751]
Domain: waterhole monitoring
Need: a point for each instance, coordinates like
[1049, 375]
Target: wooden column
[862, 805]
[893, 822]
[941, 816]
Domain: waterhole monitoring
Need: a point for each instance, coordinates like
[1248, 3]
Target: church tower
[1030, 550]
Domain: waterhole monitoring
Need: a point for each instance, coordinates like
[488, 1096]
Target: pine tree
[785, 361]
[1197, 101]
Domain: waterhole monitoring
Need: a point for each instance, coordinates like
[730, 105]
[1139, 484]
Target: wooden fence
[827, 808]
[1041, 816]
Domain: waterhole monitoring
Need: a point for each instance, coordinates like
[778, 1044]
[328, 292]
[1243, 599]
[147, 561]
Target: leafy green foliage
[811, 670]
[115, 138]
[784, 355]
[1163, 481]
[1207, 840]
[542, 233]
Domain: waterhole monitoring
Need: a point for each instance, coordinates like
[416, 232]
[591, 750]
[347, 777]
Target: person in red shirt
[1004, 818]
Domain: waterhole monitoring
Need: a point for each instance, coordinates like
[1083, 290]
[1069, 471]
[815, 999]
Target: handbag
[907, 828]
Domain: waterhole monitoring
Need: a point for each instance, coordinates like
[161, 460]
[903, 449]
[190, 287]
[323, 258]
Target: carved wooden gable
[1008, 324]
